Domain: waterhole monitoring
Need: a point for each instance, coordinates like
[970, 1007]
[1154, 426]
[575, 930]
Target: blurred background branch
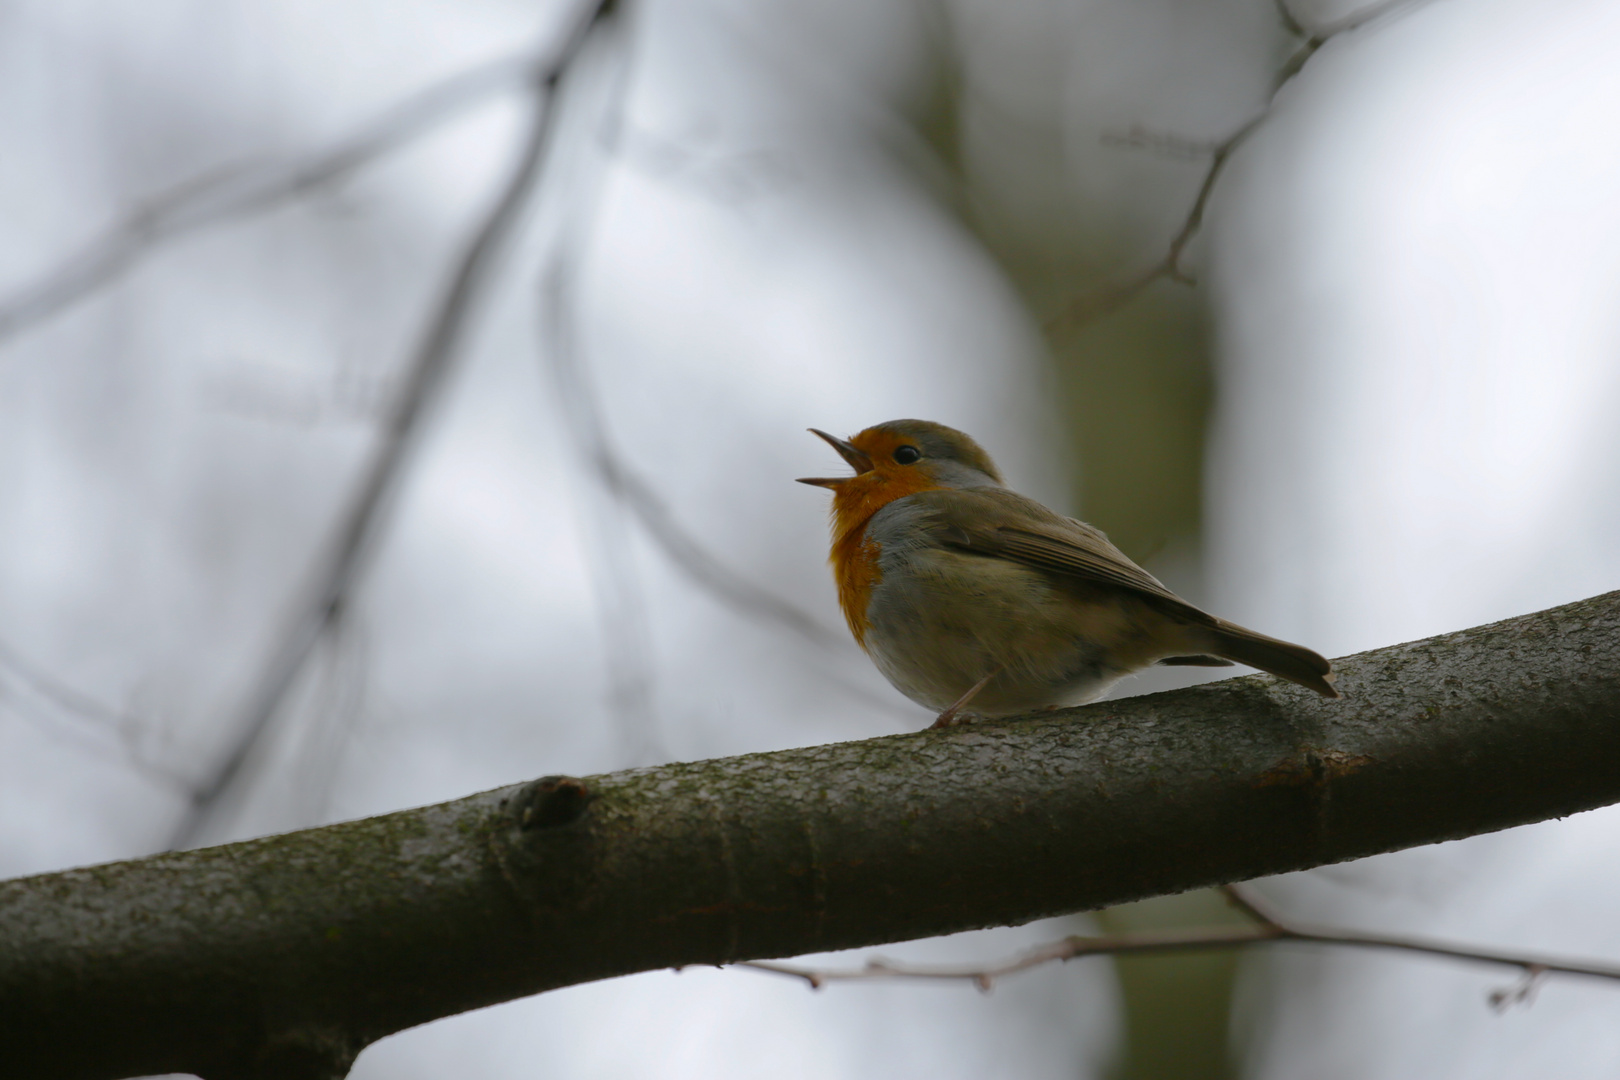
[1095, 305]
[130, 730]
[235, 190]
[321, 606]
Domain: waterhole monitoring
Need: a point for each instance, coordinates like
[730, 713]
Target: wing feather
[1003, 524]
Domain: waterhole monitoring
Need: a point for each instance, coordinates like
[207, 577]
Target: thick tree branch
[286, 955]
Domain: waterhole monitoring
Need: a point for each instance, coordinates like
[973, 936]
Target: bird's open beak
[859, 460]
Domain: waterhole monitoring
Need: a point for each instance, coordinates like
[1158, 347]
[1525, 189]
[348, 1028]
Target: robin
[966, 593]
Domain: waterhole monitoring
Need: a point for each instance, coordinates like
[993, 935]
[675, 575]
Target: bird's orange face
[888, 465]
[891, 461]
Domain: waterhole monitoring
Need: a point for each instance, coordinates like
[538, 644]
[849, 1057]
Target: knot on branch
[551, 801]
[544, 845]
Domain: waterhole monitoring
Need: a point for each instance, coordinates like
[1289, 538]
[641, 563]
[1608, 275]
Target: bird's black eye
[907, 455]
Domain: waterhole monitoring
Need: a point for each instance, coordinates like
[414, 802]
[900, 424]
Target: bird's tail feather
[1283, 659]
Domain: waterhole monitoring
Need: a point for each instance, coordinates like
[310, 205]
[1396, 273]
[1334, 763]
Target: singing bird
[978, 602]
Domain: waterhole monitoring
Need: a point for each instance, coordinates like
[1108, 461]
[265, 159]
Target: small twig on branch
[1070, 948]
[1270, 926]
[321, 606]
[1110, 298]
[1286, 929]
[236, 190]
[1521, 993]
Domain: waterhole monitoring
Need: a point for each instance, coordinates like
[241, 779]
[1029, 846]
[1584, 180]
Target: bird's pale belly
[940, 620]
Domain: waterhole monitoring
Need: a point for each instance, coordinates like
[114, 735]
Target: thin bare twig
[688, 554]
[1287, 929]
[1069, 948]
[321, 606]
[1290, 21]
[629, 648]
[339, 701]
[242, 188]
[621, 599]
[125, 726]
[700, 564]
[1357, 19]
[1110, 298]
[1270, 926]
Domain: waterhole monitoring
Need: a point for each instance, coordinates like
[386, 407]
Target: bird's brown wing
[1004, 524]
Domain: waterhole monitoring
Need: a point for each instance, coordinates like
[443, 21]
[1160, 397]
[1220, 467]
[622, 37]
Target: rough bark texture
[285, 956]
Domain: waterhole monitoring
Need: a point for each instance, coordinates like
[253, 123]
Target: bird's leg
[948, 717]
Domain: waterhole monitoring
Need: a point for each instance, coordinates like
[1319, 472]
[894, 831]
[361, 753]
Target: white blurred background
[1388, 412]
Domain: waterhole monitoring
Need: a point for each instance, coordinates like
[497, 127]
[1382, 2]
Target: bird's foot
[953, 714]
[953, 717]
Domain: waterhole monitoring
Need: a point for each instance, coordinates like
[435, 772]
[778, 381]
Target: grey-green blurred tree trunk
[1069, 214]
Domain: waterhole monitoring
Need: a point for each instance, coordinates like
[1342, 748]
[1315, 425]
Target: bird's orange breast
[855, 555]
[856, 570]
